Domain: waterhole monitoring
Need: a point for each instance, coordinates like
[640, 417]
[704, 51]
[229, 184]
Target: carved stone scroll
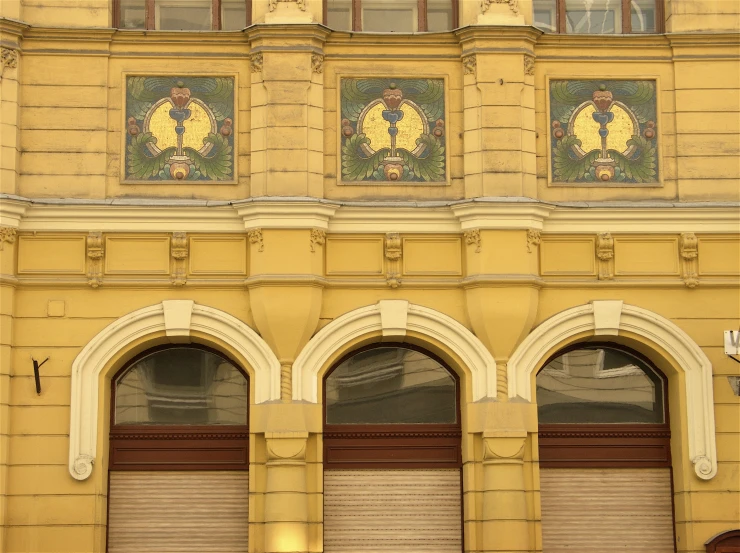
[605, 255]
[317, 63]
[513, 5]
[179, 253]
[272, 4]
[472, 237]
[7, 234]
[255, 237]
[689, 259]
[529, 65]
[534, 237]
[255, 62]
[95, 254]
[469, 64]
[393, 252]
[318, 237]
[9, 60]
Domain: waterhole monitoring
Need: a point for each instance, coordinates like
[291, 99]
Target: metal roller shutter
[392, 510]
[178, 512]
[606, 510]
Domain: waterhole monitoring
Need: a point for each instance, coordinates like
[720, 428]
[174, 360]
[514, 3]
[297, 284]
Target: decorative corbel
[9, 59]
[393, 252]
[472, 237]
[528, 65]
[7, 234]
[318, 237]
[534, 238]
[317, 63]
[605, 255]
[255, 237]
[504, 447]
[469, 64]
[255, 62]
[179, 253]
[286, 448]
[95, 253]
[689, 259]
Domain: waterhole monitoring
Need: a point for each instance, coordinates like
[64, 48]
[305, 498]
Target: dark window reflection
[390, 386]
[599, 385]
[182, 386]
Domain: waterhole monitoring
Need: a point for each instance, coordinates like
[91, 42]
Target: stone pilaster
[10, 65]
[287, 108]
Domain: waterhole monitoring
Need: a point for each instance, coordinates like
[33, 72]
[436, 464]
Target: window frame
[560, 19]
[422, 20]
[606, 445]
[150, 15]
[167, 447]
[392, 446]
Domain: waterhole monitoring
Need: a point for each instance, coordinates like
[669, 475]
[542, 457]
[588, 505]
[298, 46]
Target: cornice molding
[336, 216]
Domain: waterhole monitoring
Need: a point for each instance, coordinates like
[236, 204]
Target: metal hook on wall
[36, 367]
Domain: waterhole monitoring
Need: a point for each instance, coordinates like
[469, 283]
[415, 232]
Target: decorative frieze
[7, 234]
[272, 4]
[95, 254]
[513, 5]
[318, 238]
[469, 64]
[534, 237]
[179, 253]
[605, 255]
[472, 237]
[689, 259]
[255, 237]
[393, 253]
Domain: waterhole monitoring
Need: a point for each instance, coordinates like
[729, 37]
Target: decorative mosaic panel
[393, 130]
[180, 129]
[603, 132]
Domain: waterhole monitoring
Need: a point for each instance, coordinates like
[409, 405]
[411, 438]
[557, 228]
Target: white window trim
[177, 319]
[392, 318]
[614, 318]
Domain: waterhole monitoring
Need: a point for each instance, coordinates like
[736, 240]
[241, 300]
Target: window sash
[151, 14]
[561, 19]
[421, 15]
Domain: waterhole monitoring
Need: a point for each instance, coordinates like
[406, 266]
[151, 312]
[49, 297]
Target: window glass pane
[439, 15]
[339, 14]
[182, 386]
[597, 17]
[390, 386]
[545, 15]
[643, 16]
[398, 16]
[599, 385]
[183, 15]
[233, 15]
[133, 14]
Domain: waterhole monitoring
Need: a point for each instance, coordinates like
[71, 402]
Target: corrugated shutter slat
[392, 510]
[606, 510]
[178, 512]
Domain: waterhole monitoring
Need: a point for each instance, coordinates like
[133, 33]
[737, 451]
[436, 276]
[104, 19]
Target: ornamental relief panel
[393, 131]
[604, 133]
[179, 129]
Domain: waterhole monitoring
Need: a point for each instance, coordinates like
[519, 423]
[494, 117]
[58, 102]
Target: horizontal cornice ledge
[294, 213]
[516, 214]
[12, 210]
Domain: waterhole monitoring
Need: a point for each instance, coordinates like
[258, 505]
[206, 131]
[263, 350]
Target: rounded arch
[393, 318]
[177, 319]
[614, 318]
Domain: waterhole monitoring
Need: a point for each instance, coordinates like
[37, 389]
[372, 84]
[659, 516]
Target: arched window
[392, 454]
[604, 447]
[400, 16]
[726, 542]
[179, 453]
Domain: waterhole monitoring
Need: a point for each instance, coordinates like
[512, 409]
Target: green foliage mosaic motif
[393, 130]
[603, 132]
[180, 129]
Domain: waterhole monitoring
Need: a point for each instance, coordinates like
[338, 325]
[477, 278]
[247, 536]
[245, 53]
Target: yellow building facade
[286, 194]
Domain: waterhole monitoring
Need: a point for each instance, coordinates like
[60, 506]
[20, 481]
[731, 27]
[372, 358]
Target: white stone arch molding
[393, 318]
[177, 318]
[613, 318]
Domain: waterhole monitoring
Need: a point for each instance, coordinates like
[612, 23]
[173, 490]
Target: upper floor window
[183, 15]
[399, 16]
[598, 17]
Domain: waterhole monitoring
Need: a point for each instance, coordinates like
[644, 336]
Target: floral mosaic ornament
[393, 130]
[604, 132]
[180, 129]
